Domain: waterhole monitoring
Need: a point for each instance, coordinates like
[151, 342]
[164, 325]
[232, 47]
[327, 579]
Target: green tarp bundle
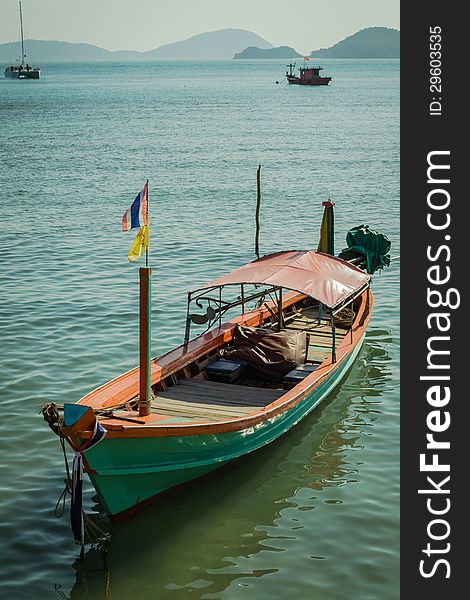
[373, 246]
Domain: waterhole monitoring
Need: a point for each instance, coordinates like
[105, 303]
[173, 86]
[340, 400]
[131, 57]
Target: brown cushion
[271, 353]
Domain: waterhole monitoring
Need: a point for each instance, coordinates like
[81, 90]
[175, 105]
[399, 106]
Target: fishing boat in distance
[308, 75]
[232, 389]
[22, 71]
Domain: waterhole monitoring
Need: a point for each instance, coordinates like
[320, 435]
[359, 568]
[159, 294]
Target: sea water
[315, 514]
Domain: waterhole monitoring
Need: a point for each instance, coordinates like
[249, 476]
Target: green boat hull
[129, 472]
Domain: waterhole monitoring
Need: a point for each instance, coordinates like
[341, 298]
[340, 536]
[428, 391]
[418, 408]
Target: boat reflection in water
[241, 516]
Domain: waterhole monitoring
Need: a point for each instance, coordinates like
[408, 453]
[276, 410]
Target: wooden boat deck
[210, 400]
[320, 332]
[201, 399]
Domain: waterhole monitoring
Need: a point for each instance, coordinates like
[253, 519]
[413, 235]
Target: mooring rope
[57, 589]
[91, 531]
[59, 510]
[94, 532]
[51, 414]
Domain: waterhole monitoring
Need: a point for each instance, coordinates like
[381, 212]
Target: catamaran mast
[22, 41]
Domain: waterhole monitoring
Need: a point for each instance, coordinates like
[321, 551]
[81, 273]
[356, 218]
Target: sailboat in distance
[22, 71]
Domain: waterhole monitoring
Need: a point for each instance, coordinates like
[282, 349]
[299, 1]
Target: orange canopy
[326, 278]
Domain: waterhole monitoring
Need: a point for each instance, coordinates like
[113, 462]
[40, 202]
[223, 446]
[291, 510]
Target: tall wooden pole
[258, 205]
[145, 396]
[146, 249]
[145, 301]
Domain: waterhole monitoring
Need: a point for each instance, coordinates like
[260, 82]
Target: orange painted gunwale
[154, 426]
[126, 386]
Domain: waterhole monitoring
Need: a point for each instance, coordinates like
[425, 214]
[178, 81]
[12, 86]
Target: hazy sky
[146, 24]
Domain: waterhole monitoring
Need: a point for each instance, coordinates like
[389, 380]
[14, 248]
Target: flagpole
[146, 249]
[145, 277]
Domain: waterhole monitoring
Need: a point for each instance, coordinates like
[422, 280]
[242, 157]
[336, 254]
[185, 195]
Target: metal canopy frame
[221, 306]
[216, 307]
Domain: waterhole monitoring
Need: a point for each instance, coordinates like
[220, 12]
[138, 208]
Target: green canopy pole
[333, 339]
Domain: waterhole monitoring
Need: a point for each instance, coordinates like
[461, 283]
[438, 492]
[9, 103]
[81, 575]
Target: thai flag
[136, 215]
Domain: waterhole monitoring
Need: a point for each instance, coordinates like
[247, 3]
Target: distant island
[213, 45]
[373, 42]
[279, 52]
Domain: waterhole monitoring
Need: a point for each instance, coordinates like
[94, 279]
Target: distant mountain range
[374, 42]
[279, 52]
[220, 45]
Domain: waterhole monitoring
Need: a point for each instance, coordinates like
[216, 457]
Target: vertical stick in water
[258, 205]
[145, 304]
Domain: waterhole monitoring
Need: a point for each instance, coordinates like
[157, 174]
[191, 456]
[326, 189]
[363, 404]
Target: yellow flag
[141, 241]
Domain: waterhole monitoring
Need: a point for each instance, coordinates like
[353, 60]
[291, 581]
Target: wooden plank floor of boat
[320, 332]
[212, 400]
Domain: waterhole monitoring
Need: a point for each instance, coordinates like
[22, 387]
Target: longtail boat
[227, 392]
